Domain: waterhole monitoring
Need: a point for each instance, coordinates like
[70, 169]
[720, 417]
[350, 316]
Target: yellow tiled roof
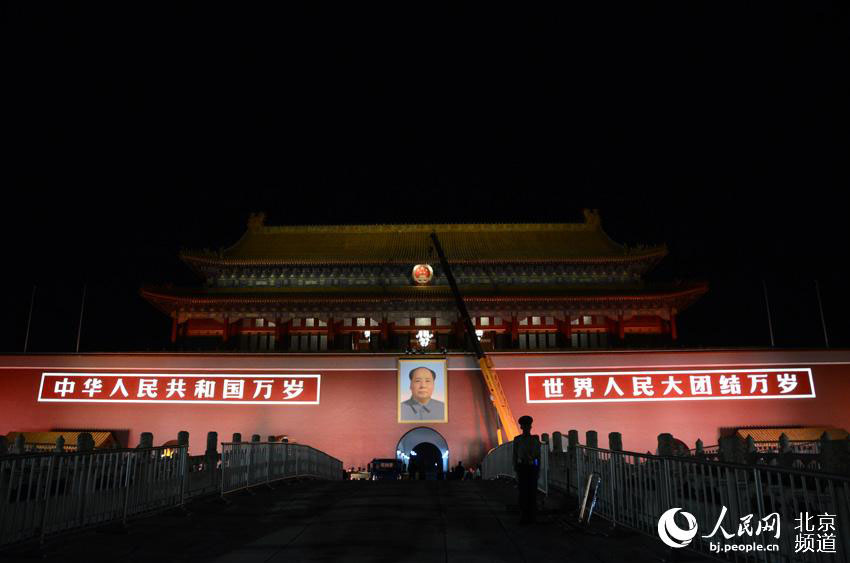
[100, 438]
[384, 244]
[807, 434]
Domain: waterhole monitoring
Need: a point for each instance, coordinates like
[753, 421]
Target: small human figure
[457, 472]
[526, 459]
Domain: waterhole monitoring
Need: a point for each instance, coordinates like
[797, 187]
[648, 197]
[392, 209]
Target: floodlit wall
[356, 418]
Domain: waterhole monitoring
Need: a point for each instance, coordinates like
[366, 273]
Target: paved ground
[422, 521]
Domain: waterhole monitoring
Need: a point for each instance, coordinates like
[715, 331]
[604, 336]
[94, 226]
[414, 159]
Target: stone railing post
[144, 460]
[615, 441]
[786, 453]
[545, 439]
[145, 440]
[784, 444]
[85, 442]
[183, 440]
[557, 442]
[211, 457]
[731, 449]
[752, 454]
[572, 440]
[558, 469]
[60, 445]
[20, 444]
[572, 461]
[665, 444]
[591, 439]
[237, 458]
[699, 447]
[4, 445]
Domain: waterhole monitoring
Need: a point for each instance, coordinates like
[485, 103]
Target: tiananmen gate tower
[348, 338]
[353, 288]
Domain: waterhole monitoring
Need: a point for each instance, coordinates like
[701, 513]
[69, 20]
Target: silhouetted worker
[527, 467]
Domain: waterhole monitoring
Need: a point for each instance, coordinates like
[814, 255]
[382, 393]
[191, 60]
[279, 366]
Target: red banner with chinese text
[255, 389]
[670, 385]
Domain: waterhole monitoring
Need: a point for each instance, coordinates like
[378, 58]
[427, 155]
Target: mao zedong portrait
[420, 405]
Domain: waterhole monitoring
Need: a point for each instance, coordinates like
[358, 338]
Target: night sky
[720, 129]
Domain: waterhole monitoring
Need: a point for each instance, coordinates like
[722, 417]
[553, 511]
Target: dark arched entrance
[426, 463]
[422, 448]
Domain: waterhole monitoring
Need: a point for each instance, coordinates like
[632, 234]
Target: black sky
[720, 129]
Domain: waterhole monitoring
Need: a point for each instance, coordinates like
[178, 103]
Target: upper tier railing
[499, 463]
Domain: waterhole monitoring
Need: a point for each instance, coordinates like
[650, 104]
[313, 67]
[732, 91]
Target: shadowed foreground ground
[423, 521]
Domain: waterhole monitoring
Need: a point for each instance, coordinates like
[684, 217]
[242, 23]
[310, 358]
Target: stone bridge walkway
[422, 521]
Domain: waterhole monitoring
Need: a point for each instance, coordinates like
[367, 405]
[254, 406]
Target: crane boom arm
[491, 378]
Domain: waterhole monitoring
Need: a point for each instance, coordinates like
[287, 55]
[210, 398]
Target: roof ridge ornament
[591, 217]
[256, 221]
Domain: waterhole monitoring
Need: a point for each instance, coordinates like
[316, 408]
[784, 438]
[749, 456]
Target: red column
[331, 332]
[277, 333]
[459, 329]
[284, 330]
[384, 327]
[174, 329]
[621, 330]
[225, 334]
[565, 328]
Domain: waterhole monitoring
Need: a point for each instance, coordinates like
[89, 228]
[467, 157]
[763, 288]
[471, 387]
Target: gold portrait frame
[403, 385]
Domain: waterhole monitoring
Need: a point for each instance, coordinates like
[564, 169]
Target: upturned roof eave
[200, 260]
[153, 296]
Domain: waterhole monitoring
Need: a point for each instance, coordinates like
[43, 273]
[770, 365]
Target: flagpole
[822, 319]
[80, 325]
[29, 320]
[769, 320]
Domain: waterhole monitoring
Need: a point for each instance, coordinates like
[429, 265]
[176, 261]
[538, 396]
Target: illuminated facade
[381, 288]
[347, 404]
[355, 298]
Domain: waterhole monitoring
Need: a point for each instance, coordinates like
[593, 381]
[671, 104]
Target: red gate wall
[356, 419]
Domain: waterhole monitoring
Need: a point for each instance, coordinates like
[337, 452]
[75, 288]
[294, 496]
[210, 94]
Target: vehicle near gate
[385, 469]
[359, 476]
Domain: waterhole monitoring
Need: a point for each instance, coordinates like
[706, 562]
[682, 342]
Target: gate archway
[422, 435]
